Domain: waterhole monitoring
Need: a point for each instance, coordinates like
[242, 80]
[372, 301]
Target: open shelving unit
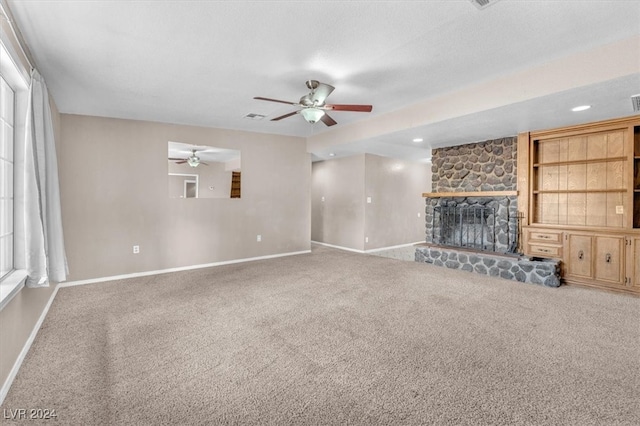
[582, 202]
[636, 176]
[579, 179]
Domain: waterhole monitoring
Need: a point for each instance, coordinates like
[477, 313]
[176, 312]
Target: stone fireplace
[476, 176]
[471, 218]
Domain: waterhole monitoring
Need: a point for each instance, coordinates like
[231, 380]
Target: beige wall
[339, 219]
[345, 219]
[113, 179]
[395, 188]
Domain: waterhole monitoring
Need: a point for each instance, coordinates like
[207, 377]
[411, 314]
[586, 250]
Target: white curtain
[38, 221]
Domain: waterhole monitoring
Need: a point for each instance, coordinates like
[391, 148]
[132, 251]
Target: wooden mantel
[470, 194]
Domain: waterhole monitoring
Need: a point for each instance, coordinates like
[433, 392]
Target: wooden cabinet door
[609, 259]
[578, 256]
[633, 263]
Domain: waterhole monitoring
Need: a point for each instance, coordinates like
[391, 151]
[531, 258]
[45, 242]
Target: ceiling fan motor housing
[312, 84]
[307, 101]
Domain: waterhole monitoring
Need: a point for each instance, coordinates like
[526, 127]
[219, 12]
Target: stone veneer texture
[544, 272]
[481, 166]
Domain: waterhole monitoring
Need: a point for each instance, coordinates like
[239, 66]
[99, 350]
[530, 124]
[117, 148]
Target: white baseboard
[338, 247]
[178, 269]
[367, 251]
[25, 349]
[393, 247]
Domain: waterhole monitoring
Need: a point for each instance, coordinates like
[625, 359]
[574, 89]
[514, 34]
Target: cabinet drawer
[544, 251]
[545, 236]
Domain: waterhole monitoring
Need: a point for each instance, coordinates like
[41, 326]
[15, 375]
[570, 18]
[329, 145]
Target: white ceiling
[441, 70]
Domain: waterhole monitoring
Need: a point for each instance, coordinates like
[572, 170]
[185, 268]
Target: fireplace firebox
[464, 226]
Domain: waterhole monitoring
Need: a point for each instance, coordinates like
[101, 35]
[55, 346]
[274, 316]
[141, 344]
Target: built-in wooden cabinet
[543, 242]
[578, 262]
[633, 263]
[596, 259]
[581, 201]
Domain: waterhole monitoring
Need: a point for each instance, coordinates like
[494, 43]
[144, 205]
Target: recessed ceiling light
[581, 108]
[332, 154]
[418, 140]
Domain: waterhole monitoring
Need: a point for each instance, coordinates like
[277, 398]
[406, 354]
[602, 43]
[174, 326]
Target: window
[7, 102]
[13, 106]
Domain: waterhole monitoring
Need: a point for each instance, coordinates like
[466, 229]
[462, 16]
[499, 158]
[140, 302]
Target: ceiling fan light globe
[193, 161]
[312, 115]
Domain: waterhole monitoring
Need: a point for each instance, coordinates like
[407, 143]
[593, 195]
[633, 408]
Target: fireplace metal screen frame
[465, 226]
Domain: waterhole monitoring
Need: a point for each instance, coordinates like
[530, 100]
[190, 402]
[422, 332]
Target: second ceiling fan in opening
[313, 104]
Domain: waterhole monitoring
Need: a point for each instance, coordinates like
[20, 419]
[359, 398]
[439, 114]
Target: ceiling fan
[313, 104]
[193, 160]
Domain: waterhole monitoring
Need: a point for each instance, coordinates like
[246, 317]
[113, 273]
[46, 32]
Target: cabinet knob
[580, 255]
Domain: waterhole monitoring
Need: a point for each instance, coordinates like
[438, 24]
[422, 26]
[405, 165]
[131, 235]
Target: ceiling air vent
[635, 100]
[483, 4]
[252, 116]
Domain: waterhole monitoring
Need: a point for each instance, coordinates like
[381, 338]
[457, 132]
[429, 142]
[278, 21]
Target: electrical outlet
[323, 199]
[366, 239]
[619, 209]
[368, 200]
[259, 238]
[418, 214]
[136, 249]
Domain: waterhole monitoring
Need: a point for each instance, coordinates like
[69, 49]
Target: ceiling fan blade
[181, 162]
[328, 120]
[356, 108]
[176, 159]
[203, 163]
[274, 100]
[284, 116]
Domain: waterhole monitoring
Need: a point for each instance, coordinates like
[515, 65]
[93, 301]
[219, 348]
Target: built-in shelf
[470, 194]
[591, 160]
[585, 212]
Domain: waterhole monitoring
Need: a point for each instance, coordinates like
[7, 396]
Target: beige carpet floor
[333, 337]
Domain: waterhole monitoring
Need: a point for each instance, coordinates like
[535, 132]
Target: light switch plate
[619, 209]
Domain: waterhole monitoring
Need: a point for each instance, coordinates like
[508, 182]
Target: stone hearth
[545, 272]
